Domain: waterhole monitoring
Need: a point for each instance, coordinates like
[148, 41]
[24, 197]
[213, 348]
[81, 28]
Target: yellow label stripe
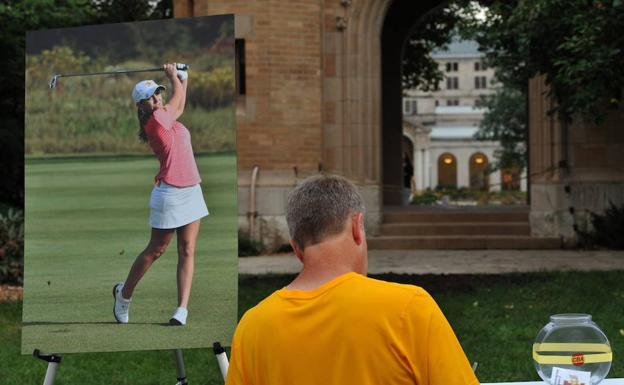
[571, 347]
[567, 360]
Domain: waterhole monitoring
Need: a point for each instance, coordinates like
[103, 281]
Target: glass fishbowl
[572, 350]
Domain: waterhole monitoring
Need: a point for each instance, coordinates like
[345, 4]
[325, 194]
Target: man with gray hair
[332, 324]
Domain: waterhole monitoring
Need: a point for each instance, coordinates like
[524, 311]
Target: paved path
[456, 261]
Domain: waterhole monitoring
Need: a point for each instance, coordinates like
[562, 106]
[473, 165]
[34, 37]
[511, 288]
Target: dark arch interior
[402, 15]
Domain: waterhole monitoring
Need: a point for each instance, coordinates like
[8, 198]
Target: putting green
[86, 220]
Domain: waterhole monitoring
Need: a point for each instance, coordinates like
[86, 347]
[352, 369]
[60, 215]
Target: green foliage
[479, 197]
[95, 114]
[213, 89]
[12, 247]
[58, 60]
[608, 229]
[505, 121]
[112, 11]
[434, 31]
[426, 198]
[17, 17]
[576, 44]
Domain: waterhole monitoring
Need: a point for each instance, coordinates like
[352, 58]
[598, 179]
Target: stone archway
[362, 140]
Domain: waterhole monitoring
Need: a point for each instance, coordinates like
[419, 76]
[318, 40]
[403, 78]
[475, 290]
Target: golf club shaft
[180, 67]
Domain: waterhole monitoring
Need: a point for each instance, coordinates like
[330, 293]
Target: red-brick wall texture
[279, 119]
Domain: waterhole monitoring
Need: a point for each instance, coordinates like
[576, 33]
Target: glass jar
[572, 342]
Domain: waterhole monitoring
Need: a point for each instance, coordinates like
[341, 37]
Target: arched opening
[479, 179]
[400, 18]
[447, 171]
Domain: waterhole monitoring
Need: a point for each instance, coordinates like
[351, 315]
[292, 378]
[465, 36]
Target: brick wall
[279, 119]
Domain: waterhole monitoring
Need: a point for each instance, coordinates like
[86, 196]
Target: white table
[606, 381]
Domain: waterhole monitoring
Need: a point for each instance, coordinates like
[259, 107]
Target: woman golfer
[177, 203]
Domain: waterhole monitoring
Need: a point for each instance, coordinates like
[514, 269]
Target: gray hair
[319, 207]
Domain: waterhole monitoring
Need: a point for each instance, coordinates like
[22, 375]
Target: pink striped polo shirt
[171, 142]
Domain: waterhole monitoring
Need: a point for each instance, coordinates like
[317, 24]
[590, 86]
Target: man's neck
[309, 279]
[324, 262]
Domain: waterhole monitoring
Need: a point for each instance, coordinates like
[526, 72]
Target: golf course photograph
[99, 184]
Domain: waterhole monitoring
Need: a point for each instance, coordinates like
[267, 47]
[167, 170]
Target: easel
[54, 360]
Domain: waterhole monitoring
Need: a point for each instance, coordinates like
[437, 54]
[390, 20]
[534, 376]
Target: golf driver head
[52, 82]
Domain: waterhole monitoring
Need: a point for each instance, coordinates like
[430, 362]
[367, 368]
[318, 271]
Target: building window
[239, 63]
[447, 171]
[452, 67]
[452, 102]
[437, 103]
[479, 180]
[452, 83]
[410, 107]
[480, 82]
[480, 66]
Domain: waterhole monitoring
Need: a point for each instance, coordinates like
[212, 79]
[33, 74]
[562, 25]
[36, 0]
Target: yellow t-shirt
[351, 330]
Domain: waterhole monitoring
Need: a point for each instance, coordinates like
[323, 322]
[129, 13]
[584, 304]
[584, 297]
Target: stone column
[419, 170]
[463, 169]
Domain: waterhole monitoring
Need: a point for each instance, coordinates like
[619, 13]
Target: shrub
[12, 247]
[608, 229]
[426, 198]
[248, 247]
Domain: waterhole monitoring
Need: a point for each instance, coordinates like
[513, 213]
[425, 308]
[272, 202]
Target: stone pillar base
[271, 195]
[557, 211]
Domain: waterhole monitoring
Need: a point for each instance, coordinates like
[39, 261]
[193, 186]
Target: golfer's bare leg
[155, 248]
[187, 238]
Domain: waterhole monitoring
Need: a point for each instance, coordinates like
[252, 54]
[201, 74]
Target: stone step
[459, 242]
[456, 228]
[445, 217]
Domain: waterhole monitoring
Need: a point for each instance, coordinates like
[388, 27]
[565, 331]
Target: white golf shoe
[122, 305]
[179, 317]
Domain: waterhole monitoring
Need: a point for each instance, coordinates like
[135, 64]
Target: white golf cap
[145, 89]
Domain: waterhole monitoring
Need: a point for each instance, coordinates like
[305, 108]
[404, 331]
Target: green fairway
[86, 220]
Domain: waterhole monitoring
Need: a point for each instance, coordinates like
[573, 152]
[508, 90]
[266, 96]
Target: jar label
[578, 359]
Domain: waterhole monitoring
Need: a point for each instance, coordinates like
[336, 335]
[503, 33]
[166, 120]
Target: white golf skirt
[172, 207]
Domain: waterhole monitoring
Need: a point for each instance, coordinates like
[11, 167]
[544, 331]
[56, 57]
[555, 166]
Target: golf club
[54, 80]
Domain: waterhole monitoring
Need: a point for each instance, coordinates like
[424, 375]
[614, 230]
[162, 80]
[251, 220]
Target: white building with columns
[439, 127]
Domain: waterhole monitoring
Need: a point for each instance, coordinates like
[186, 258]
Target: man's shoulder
[261, 310]
[395, 288]
[399, 294]
[357, 291]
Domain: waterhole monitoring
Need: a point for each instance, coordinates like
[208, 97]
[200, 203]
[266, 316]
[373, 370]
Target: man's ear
[357, 228]
[296, 249]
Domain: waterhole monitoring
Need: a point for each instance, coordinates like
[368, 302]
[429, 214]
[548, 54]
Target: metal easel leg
[181, 373]
[53, 361]
[222, 359]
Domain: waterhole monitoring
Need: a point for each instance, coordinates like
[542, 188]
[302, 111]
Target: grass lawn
[495, 317]
[86, 220]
